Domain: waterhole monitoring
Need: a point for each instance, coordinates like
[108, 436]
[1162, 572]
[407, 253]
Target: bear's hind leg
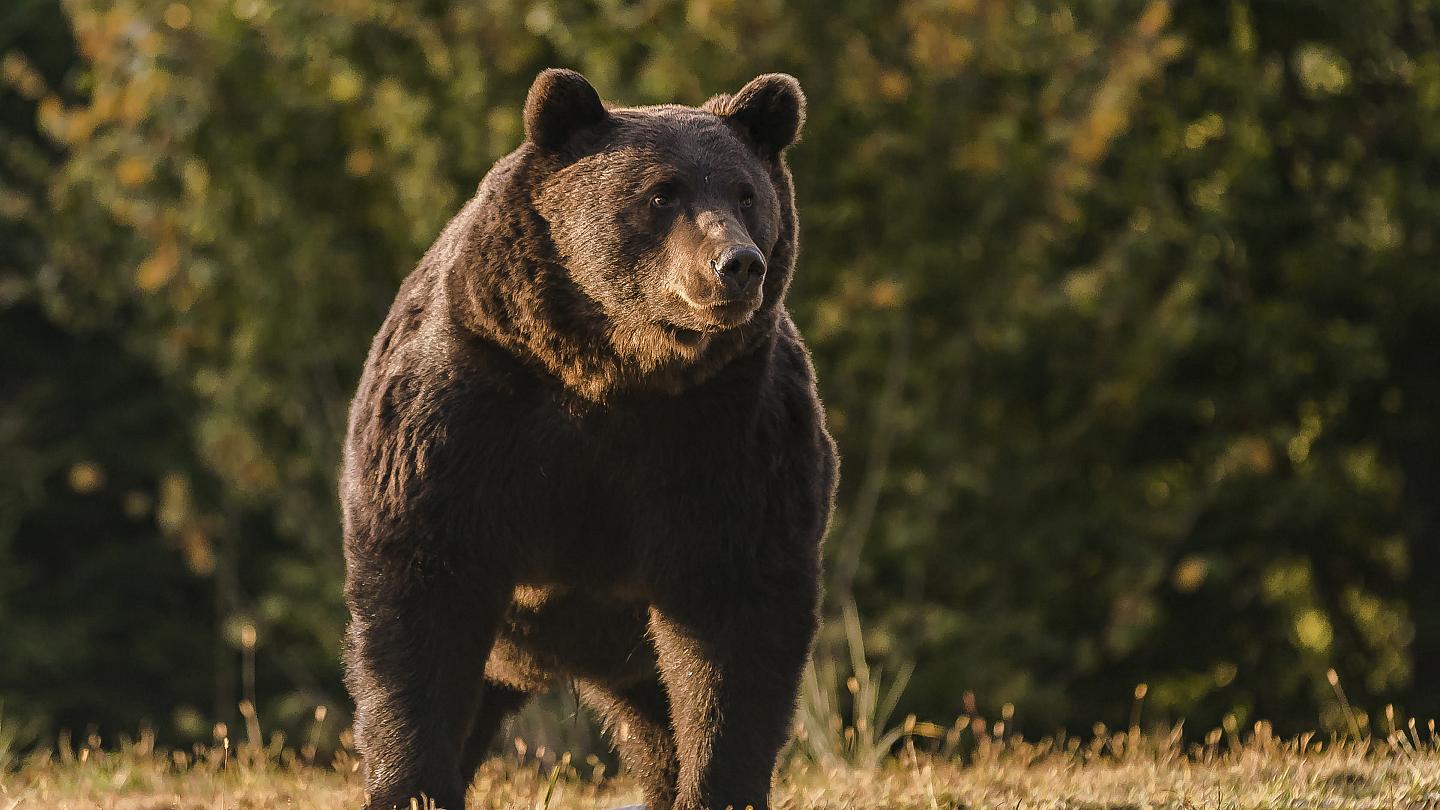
[637, 720]
[497, 702]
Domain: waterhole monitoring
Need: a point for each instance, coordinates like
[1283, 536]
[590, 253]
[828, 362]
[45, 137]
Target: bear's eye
[660, 201]
[747, 200]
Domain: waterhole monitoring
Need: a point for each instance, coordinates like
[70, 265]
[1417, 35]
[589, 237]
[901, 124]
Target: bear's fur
[587, 447]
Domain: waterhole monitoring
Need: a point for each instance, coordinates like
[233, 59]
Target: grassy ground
[1122, 771]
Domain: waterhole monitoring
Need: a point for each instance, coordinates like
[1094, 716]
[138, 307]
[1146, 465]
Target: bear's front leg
[731, 654]
[414, 663]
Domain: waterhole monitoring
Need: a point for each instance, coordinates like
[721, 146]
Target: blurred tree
[98, 611]
[1124, 312]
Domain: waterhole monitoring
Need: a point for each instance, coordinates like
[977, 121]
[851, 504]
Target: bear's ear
[770, 110]
[561, 102]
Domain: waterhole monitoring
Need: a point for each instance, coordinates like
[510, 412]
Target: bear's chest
[600, 495]
[652, 459]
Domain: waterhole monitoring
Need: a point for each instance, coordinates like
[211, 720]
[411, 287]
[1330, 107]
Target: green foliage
[1124, 313]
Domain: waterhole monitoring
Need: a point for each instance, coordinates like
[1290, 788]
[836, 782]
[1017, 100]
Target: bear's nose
[741, 269]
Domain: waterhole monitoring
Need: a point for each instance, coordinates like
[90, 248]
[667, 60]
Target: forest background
[1126, 315]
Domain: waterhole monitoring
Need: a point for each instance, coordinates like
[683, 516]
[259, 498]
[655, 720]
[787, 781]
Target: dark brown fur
[576, 453]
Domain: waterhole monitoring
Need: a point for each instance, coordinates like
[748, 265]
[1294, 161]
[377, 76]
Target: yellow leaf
[177, 16]
[159, 267]
[86, 477]
[1153, 19]
[132, 171]
[359, 162]
[345, 85]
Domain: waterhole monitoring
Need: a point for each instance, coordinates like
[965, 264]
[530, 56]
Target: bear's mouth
[716, 314]
[714, 320]
[683, 335]
[732, 313]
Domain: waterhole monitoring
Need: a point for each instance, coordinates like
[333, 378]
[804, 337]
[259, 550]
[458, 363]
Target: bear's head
[670, 230]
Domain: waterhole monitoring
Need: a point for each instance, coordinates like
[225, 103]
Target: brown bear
[587, 448]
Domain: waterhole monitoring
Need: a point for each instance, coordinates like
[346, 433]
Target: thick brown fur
[587, 446]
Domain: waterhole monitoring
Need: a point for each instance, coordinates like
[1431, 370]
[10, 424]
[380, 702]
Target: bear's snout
[723, 291]
[741, 269]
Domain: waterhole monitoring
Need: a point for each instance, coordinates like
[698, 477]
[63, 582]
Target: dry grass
[1126, 770]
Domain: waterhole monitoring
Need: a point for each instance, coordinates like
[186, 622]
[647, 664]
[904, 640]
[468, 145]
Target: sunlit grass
[858, 761]
[1122, 770]
[847, 755]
